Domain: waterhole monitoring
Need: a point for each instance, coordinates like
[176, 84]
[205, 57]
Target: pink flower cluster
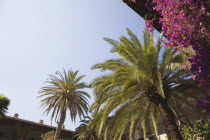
[150, 26]
[187, 23]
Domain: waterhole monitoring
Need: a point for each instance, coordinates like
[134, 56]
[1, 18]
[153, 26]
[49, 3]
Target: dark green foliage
[85, 130]
[4, 103]
[48, 136]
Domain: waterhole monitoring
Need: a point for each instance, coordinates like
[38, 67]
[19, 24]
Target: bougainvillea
[186, 23]
[150, 26]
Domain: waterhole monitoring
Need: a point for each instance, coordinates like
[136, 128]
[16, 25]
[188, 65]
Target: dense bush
[4, 103]
[48, 136]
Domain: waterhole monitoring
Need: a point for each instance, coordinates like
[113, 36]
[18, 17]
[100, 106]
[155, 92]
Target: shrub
[199, 130]
[48, 136]
[4, 103]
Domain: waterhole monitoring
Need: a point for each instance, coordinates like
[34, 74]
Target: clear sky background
[40, 37]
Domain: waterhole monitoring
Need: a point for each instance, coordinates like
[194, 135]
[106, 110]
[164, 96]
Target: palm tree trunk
[60, 123]
[167, 115]
[169, 122]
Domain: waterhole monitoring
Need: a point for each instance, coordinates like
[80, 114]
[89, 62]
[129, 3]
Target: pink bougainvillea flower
[149, 24]
[151, 30]
[193, 77]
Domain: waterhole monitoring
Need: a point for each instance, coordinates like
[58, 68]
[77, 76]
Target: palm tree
[63, 93]
[85, 131]
[144, 84]
[4, 103]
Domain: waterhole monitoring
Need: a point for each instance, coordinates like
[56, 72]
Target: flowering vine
[187, 23]
[150, 26]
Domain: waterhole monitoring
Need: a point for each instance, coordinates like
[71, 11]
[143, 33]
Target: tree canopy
[4, 103]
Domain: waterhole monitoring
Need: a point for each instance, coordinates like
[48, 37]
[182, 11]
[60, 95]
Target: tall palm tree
[145, 83]
[65, 92]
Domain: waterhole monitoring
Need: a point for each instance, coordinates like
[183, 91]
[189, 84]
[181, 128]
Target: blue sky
[40, 37]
